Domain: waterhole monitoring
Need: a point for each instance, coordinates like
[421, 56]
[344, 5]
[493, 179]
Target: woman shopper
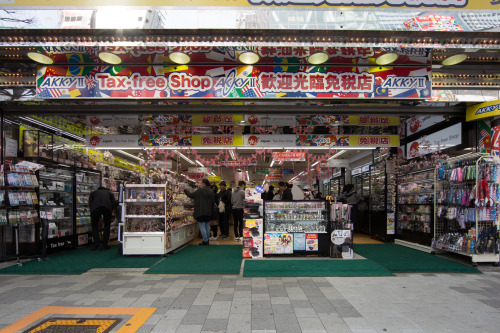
[204, 202]
[351, 197]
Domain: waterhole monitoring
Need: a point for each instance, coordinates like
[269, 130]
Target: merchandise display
[415, 205]
[467, 205]
[292, 227]
[341, 227]
[181, 225]
[253, 225]
[86, 181]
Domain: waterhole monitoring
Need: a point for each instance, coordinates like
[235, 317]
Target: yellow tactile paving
[139, 316]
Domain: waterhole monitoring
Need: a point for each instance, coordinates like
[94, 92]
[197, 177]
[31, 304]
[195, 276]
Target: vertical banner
[391, 221]
[495, 137]
[484, 135]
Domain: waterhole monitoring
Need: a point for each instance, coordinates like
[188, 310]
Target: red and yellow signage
[217, 140]
[241, 82]
[289, 156]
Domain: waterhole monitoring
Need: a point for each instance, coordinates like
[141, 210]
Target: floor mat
[76, 261]
[197, 259]
[319, 267]
[400, 259]
[131, 262]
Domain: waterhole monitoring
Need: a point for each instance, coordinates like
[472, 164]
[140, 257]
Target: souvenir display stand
[296, 227]
[415, 206]
[157, 218]
[86, 181]
[466, 207]
[341, 231]
[19, 215]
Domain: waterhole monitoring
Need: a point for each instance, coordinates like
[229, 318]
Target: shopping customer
[238, 202]
[353, 198]
[204, 202]
[214, 219]
[102, 203]
[224, 209]
[285, 191]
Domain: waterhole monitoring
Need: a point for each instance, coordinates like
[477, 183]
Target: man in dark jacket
[204, 204]
[102, 203]
[238, 203]
[225, 198]
[286, 192]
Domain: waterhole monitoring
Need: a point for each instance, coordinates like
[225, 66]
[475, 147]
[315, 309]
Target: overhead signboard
[320, 140]
[240, 82]
[418, 123]
[331, 120]
[111, 141]
[483, 110]
[198, 170]
[217, 140]
[259, 140]
[446, 138]
[355, 4]
[289, 156]
[161, 140]
[335, 163]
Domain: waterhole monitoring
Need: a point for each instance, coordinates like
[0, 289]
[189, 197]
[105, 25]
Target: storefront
[119, 108]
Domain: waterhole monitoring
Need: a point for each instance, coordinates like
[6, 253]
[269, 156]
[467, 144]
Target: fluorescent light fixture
[248, 57]
[337, 154]
[248, 177]
[233, 155]
[110, 58]
[179, 58]
[272, 163]
[454, 59]
[315, 163]
[40, 58]
[129, 155]
[317, 58]
[386, 59]
[52, 128]
[185, 158]
[199, 163]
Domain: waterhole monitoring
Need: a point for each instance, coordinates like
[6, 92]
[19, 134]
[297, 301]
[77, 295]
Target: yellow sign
[217, 140]
[373, 140]
[483, 110]
[405, 4]
[214, 178]
[216, 119]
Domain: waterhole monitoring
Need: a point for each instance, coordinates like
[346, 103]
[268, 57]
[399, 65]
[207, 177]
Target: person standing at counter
[238, 202]
[285, 191]
[204, 204]
[351, 197]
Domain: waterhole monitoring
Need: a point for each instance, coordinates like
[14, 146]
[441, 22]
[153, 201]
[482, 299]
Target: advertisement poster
[263, 140]
[418, 123]
[311, 242]
[342, 244]
[446, 138]
[157, 140]
[278, 243]
[270, 120]
[111, 141]
[241, 82]
[299, 242]
[391, 223]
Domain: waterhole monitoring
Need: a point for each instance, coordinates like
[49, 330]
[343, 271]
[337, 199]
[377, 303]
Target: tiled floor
[404, 303]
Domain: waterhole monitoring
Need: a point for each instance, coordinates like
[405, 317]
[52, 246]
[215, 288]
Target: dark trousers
[95, 217]
[238, 222]
[224, 223]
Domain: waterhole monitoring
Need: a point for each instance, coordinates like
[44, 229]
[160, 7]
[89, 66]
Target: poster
[289, 156]
[252, 248]
[418, 123]
[311, 242]
[391, 222]
[299, 242]
[278, 243]
[446, 138]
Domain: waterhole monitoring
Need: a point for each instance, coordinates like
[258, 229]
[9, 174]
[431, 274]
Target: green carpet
[196, 259]
[131, 262]
[400, 259]
[75, 261]
[319, 267]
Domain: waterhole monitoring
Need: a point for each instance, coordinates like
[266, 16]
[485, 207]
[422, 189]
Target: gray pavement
[231, 303]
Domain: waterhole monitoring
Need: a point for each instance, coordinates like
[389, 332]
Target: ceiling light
[272, 163]
[453, 60]
[128, 154]
[248, 177]
[337, 154]
[110, 58]
[185, 158]
[179, 58]
[386, 59]
[248, 57]
[40, 58]
[199, 163]
[317, 58]
[315, 163]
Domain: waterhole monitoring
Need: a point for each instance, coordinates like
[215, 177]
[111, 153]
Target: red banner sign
[289, 156]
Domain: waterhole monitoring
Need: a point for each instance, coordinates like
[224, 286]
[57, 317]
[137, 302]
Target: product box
[253, 228]
[252, 248]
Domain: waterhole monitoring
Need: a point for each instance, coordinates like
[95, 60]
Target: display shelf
[467, 201]
[145, 216]
[85, 182]
[286, 231]
[143, 201]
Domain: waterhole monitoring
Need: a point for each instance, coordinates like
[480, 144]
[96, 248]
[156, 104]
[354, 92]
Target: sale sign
[289, 156]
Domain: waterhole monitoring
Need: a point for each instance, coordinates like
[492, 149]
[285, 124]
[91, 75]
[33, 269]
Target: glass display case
[86, 181]
[337, 184]
[415, 201]
[56, 206]
[292, 227]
